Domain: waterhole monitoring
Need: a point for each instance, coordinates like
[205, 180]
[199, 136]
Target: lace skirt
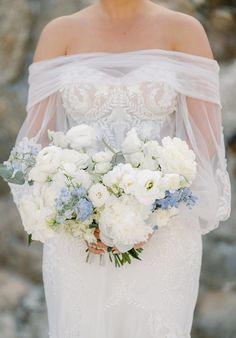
[151, 298]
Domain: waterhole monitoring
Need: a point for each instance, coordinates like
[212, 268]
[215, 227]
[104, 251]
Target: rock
[216, 315]
[7, 326]
[15, 26]
[14, 251]
[221, 31]
[12, 290]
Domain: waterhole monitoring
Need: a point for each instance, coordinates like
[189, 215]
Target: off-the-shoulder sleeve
[199, 122]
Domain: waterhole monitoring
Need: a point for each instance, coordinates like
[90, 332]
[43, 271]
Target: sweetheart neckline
[139, 51]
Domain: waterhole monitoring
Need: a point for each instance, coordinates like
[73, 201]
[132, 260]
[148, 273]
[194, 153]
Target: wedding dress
[160, 93]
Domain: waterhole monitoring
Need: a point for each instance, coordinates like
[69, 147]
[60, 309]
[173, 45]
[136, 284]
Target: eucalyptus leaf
[5, 172]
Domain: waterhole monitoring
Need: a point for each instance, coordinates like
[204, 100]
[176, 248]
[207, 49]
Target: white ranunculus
[132, 143]
[58, 138]
[48, 159]
[82, 177]
[103, 156]
[81, 136]
[122, 222]
[176, 157]
[80, 160]
[98, 194]
[147, 188]
[102, 167]
[135, 158]
[37, 175]
[161, 217]
[170, 182]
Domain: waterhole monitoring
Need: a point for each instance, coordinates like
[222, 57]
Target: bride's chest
[91, 97]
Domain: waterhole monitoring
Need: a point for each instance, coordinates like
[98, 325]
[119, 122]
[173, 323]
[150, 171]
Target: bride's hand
[136, 246]
[99, 247]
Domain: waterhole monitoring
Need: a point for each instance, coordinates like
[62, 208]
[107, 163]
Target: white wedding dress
[160, 93]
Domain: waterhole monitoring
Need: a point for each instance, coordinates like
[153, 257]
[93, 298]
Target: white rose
[161, 217]
[103, 156]
[147, 188]
[81, 136]
[102, 167]
[58, 138]
[176, 157]
[170, 182]
[132, 143]
[98, 194]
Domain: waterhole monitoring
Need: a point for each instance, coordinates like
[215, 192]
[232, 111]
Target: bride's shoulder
[189, 35]
[55, 36]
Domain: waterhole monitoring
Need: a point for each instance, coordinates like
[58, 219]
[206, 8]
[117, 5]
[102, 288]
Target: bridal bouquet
[126, 194]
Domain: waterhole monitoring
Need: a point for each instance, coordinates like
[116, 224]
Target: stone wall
[22, 304]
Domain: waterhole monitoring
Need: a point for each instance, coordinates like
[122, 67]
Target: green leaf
[18, 178]
[30, 239]
[5, 172]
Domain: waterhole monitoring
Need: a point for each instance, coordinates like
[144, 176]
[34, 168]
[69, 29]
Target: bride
[119, 64]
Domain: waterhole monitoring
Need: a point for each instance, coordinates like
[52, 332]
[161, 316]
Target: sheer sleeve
[44, 111]
[200, 124]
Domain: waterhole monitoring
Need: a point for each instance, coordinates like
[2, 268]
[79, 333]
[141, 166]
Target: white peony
[161, 217]
[147, 188]
[98, 194]
[122, 222]
[81, 136]
[132, 143]
[58, 138]
[34, 214]
[176, 157]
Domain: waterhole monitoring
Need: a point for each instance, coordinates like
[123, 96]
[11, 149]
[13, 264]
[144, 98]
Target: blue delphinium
[173, 199]
[73, 203]
[84, 209]
[22, 158]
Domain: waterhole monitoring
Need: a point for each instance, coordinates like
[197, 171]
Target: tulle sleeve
[44, 111]
[199, 122]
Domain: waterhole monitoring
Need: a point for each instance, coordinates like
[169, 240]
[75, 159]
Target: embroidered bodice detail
[115, 108]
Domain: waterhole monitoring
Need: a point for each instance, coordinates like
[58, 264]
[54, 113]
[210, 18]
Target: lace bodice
[115, 108]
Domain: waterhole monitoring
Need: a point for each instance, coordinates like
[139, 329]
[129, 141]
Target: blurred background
[22, 304]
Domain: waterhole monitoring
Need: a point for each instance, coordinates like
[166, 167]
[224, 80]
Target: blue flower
[84, 209]
[173, 199]
[79, 192]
